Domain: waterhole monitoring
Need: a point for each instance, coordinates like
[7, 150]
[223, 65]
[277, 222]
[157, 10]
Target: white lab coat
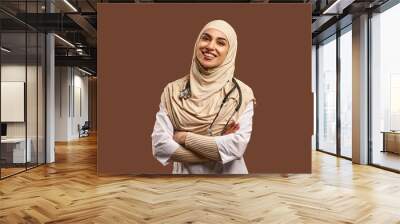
[231, 147]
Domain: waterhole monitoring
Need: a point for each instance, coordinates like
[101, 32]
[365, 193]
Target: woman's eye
[221, 43]
[204, 38]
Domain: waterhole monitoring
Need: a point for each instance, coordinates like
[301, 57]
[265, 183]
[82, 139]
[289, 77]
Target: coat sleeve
[163, 144]
[232, 146]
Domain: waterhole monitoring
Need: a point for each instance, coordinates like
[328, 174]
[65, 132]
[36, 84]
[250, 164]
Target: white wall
[62, 80]
[12, 73]
[33, 127]
[71, 93]
[80, 103]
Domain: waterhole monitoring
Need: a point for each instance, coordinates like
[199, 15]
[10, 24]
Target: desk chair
[84, 130]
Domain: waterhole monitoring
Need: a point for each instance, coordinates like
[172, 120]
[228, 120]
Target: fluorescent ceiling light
[65, 41]
[70, 5]
[338, 6]
[5, 50]
[84, 71]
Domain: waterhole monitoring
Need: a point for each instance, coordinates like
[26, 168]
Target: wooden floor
[70, 192]
[5, 172]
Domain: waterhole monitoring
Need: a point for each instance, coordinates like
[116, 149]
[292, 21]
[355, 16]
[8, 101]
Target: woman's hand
[180, 137]
[231, 128]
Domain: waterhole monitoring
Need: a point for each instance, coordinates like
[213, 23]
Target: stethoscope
[185, 94]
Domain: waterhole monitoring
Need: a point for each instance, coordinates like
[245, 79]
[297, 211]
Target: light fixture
[79, 51]
[65, 41]
[84, 71]
[337, 7]
[70, 5]
[5, 50]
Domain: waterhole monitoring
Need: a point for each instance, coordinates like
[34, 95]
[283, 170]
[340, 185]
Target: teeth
[208, 55]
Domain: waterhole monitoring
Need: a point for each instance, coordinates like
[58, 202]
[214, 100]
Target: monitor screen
[3, 129]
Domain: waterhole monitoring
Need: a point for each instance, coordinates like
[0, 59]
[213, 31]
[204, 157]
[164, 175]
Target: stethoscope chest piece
[184, 94]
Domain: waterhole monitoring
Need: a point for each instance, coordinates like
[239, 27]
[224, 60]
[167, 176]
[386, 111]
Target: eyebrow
[219, 38]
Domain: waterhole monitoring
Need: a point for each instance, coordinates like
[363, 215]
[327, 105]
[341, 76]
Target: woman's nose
[211, 45]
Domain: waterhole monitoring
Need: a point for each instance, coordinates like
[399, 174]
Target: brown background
[142, 47]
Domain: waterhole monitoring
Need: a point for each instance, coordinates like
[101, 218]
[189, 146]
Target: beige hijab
[208, 89]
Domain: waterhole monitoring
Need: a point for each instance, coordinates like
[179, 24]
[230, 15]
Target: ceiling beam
[84, 61]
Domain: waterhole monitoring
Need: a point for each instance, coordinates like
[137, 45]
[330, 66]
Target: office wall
[62, 78]
[71, 102]
[16, 72]
[143, 47]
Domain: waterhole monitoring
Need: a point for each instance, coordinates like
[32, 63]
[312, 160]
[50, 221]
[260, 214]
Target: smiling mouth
[208, 55]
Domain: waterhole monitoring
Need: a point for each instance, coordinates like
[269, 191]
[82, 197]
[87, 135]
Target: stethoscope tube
[185, 94]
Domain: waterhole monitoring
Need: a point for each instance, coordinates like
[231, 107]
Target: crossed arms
[189, 147]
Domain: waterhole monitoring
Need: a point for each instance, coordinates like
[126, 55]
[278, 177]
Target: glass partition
[22, 77]
[14, 153]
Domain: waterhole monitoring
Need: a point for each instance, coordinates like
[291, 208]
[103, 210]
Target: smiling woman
[205, 118]
[212, 48]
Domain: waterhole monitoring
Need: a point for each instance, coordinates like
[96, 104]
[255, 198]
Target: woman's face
[212, 48]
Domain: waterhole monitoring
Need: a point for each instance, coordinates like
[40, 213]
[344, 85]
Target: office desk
[13, 150]
[391, 141]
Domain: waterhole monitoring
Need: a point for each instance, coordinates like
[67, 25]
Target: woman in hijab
[205, 118]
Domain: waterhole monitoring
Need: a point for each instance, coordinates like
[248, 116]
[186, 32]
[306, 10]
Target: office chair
[84, 130]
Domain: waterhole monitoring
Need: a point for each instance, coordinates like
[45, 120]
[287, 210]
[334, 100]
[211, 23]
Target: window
[385, 88]
[327, 95]
[346, 93]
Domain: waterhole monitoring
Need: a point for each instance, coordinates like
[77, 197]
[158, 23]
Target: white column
[360, 90]
[50, 92]
[50, 100]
